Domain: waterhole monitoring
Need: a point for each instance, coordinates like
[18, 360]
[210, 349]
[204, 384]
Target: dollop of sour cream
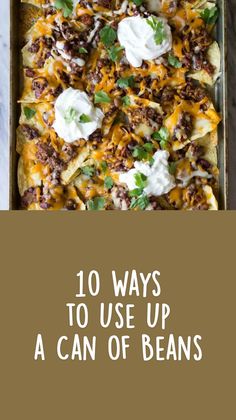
[75, 116]
[159, 180]
[138, 38]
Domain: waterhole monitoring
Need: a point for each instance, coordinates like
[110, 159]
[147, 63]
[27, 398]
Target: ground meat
[64, 77]
[102, 62]
[55, 178]
[192, 92]
[86, 20]
[47, 155]
[50, 11]
[70, 152]
[40, 63]
[204, 164]
[44, 152]
[199, 40]
[39, 85]
[29, 132]
[57, 91]
[30, 72]
[195, 198]
[184, 127]
[194, 151]
[34, 48]
[96, 136]
[71, 204]
[147, 114]
[120, 198]
[44, 204]
[29, 197]
[154, 204]
[68, 32]
[208, 67]
[166, 95]
[105, 3]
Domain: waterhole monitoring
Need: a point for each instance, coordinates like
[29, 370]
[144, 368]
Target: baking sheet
[18, 23]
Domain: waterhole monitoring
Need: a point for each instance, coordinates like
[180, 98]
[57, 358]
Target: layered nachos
[116, 112]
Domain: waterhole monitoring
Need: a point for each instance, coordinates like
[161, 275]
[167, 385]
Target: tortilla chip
[44, 110]
[27, 176]
[74, 166]
[211, 200]
[214, 58]
[204, 122]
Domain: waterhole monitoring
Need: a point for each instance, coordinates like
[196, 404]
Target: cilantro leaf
[97, 203]
[66, 6]
[151, 161]
[141, 202]
[102, 97]
[113, 52]
[162, 136]
[126, 100]
[141, 152]
[84, 119]
[108, 182]
[83, 50]
[138, 2]
[136, 192]
[108, 35]
[158, 28]
[174, 62]
[104, 166]
[148, 147]
[29, 112]
[172, 167]
[88, 170]
[125, 82]
[140, 180]
[210, 15]
[70, 115]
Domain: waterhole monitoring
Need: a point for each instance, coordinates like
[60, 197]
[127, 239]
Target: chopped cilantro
[174, 62]
[84, 119]
[108, 182]
[88, 170]
[210, 15]
[136, 192]
[162, 136]
[148, 147]
[126, 100]
[141, 202]
[140, 180]
[102, 97]
[172, 167]
[158, 28]
[70, 115]
[138, 2]
[114, 52]
[108, 35]
[29, 112]
[125, 82]
[97, 203]
[104, 166]
[65, 5]
[141, 152]
[83, 50]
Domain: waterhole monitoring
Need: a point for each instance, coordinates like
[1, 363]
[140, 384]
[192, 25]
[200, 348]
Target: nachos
[116, 112]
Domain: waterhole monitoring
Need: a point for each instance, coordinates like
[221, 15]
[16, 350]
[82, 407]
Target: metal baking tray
[18, 21]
